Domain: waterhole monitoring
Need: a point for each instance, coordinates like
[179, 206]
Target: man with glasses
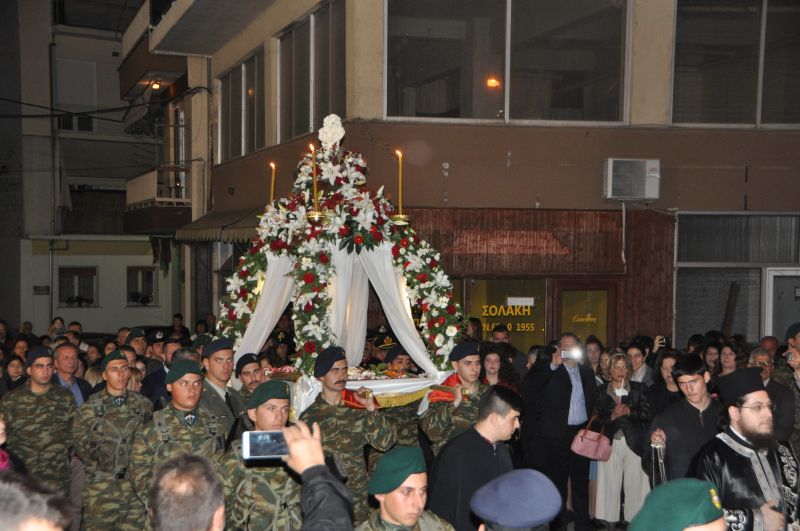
[780, 395]
[685, 426]
[757, 476]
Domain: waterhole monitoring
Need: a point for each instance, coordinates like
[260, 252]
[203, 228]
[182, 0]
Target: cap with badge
[244, 361]
[394, 352]
[462, 350]
[678, 504]
[394, 467]
[181, 368]
[135, 333]
[326, 359]
[518, 499]
[201, 341]
[156, 336]
[384, 341]
[114, 355]
[36, 353]
[267, 391]
[216, 345]
[738, 383]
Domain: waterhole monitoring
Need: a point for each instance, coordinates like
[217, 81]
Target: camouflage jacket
[167, 436]
[39, 433]
[427, 521]
[441, 422]
[103, 432]
[345, 432]
[261, 495]
[405, 420]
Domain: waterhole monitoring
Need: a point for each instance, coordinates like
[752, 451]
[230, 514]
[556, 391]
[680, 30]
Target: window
[142, 289]
[312, 70]
[241, 106]
[112, 15]
[77, 286]
[718, 74]
[76, 91]
[450, 61]
[739, 239]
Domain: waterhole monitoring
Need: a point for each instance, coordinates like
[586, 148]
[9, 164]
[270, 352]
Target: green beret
[678, 504]
[181, 368]
[135, 333]
[114, 355]
[394, 467]
[267, 391]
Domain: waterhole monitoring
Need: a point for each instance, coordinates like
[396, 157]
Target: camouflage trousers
[106, 504]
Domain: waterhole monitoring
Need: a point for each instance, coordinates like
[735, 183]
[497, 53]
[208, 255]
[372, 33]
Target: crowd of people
[144, 430]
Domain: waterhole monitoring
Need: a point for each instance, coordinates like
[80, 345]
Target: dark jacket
[554, 388]
[661, 398]
[325, 501]
[634, 426]
[783, 418]
[84, 386]
[155, 388]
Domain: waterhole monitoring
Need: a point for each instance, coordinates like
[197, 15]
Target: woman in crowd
[731, 357]
[200, 328]
[93, 355]
[14, 372]
[135, 383]
[664, 390]
[496, 369]
[710, 355]
[474, 330]
[56, 328]
[622, 410]
[20, 348]
[640, 372]
[94, 375]
[605, 363]
[109, 347]
[593, 350]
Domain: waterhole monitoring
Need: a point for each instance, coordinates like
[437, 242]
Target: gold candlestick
[400, 218]
[315, 215]
[272, 188]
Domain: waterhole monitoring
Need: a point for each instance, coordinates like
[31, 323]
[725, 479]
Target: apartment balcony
[198, 27]
[142, 72]
[157, 202]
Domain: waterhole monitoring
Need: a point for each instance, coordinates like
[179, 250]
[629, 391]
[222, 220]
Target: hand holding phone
[264, 445]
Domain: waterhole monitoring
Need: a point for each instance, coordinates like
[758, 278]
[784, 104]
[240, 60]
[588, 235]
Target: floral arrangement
[356, 219]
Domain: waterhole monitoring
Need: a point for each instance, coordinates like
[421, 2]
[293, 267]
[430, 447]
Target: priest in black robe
[474, 458]
[757, 476]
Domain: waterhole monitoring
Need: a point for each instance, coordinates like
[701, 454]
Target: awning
[213, 227]
[243, 230]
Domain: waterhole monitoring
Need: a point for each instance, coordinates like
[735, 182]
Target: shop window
[585, 313]
[77, 286]
[142, 286]
[518, 304]
[739, 239]
[781, 100]
[312, 70]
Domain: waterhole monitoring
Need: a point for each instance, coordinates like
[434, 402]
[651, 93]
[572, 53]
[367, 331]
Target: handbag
[591, 444]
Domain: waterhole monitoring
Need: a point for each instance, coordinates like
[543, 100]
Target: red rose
[378, 237]
[441, 320]
[451, 309]
[359, 239]
[323, 258]
[276, 245]
[243, 293]
[309, 278]
[422, 277]
[359, 169]
[231, 315]
[353, 211]
[395, 251]
[344, 230]
[308, 308]
[431, 323]
[433, 263]
[309, 347]
[424, 307]
[404, 242]
[380, 220]
[241, 261]
[406, 264]
[243, 273]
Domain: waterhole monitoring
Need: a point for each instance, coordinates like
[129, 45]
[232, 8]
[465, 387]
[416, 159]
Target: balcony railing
[158, 188]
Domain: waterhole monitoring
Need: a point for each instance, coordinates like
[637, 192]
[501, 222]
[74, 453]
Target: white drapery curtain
[389, 284]
[275, 294]
[347, 314]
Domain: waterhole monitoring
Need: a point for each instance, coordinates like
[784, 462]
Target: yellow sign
[489, 301]
[585, 313]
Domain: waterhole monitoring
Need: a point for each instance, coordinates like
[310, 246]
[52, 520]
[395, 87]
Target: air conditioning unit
[631, 179]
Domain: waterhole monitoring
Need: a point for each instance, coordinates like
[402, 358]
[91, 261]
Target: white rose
[439, 341]
[451, 331]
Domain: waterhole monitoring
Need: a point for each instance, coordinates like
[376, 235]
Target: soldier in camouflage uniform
[450, 414]
[179, 428]
[250, 373]
[103, 433]
[400, 484]
[261, 494]
[347, 429]
[38, 416]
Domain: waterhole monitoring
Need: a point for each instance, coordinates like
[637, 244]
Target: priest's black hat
[739, 383]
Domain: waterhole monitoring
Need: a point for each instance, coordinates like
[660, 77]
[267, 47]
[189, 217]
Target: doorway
[781, 299]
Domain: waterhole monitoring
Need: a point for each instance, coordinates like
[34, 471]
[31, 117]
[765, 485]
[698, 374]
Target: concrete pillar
[365, 52]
